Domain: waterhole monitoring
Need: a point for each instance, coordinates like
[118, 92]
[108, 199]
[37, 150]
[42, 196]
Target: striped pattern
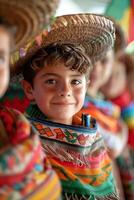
[82, 169]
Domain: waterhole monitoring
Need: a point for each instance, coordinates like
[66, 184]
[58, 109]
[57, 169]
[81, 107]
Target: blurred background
[75, 6]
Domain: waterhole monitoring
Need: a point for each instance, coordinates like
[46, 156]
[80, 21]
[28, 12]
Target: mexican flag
[123, 12]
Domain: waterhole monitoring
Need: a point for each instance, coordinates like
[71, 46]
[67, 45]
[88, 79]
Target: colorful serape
[127, 113]
[126, 160]
[126, 166]
[15, 98]
[25, 172]
[79, 157]
[106, 107]
[107, 115]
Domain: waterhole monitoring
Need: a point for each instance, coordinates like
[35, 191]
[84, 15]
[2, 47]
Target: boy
[55, 80]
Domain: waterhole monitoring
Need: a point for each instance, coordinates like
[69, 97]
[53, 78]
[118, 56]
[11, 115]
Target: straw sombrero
[27, 17]
[95, 33]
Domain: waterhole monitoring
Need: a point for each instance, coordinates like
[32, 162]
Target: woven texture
[106, 114]
[79, 157]
[27, 18]
[15, 98]
[93, 32]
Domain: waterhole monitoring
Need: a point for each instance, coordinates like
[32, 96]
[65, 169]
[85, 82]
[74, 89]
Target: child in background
[56, 77]
[25, 30]
[117, 91]
[25, 172]
[112, 128]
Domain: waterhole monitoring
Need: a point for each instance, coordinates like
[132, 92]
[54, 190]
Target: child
[104, 111]
[39, 15]
[25, 172]
[113, 130]
[116, 91]
[55, 80]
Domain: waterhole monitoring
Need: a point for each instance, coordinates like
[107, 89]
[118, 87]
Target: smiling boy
[55, 80]
[58, 91]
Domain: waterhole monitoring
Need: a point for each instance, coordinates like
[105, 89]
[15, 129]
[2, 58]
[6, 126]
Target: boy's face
[58, 92]
[4, 60]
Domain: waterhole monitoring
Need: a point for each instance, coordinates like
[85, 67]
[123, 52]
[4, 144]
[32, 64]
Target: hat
[27, 17]
[95, 33]
[24, 170]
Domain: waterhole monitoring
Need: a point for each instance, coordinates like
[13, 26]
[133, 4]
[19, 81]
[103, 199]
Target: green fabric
[117, 8]
[83, 173]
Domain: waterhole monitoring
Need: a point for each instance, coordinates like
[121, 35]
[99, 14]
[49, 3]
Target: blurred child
[117, 91]
[112, 128]
[107, 114]
[26, 22]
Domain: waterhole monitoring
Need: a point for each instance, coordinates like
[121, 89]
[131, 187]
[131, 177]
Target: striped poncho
[78, 155]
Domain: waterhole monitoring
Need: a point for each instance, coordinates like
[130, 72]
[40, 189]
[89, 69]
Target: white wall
[79, 6]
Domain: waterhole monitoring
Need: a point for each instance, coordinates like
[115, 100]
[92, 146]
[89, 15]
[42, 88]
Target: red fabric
[131, 137]
[123, 100]
[131, 27]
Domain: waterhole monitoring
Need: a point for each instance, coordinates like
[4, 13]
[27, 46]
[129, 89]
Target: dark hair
[72, 56]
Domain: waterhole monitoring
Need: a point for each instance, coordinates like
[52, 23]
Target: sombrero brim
[95, 33]
[27, 18]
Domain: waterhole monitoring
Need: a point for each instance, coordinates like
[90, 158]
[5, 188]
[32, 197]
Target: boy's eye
[76, 82]
[50, 81]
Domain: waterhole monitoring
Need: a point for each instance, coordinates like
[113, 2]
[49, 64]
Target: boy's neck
[62, 121]
[35, 112]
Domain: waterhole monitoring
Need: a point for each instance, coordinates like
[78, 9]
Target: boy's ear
[27, 89]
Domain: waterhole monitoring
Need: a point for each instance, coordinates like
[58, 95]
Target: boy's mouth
[63, 103]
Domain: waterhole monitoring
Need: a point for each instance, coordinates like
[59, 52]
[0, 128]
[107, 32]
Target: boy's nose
[65, 90]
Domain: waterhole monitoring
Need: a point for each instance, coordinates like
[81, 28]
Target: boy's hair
[71, 55]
